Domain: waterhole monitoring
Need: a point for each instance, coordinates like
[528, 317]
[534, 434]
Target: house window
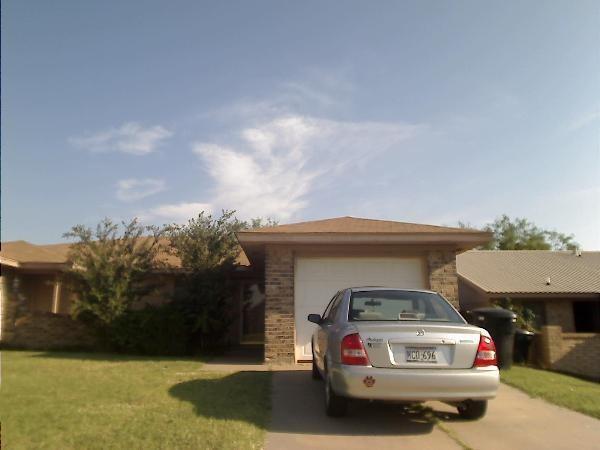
[587, 316]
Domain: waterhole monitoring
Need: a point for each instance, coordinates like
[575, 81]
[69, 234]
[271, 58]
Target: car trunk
[419, 344]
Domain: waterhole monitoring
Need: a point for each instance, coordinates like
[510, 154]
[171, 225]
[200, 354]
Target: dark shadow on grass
[242, 396]
[297, 406]
[116, 357]
[238, 355]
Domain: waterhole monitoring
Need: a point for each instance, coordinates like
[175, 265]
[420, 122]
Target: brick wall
[442, 274]
[560, 312]
[48, 331]
[8, 309]
[576, 353]
[279, 305]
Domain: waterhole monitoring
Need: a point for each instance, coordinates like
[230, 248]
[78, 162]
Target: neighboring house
[301, 266]
[32, 290]
[560, 287]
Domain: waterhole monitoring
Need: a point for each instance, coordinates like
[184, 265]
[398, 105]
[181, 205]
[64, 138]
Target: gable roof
[358, 231]
[357, 225]
[526, 271]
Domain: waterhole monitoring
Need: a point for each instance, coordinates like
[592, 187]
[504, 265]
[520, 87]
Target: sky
[428, 112]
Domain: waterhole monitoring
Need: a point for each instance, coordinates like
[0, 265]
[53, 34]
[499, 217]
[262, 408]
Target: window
[326, 312]
[394, 305]
[587, 316]
[335, 306]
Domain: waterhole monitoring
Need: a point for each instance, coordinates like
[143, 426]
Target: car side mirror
[314, 318]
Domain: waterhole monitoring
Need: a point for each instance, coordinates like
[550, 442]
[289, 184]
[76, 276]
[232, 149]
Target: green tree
[110, 268]
[521, 234]
[259, 222]
[208, 249]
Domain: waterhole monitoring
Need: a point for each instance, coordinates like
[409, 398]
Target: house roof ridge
[351, 224]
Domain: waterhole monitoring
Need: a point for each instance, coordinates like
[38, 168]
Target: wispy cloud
[276, 164]
[130, 138]
[132, 189]
[174, 212]
[584, 120]
[317, 91]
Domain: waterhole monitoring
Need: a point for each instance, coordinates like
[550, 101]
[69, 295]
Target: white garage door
[318, 279]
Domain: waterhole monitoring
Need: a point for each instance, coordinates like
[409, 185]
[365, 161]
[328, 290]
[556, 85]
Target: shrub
[154, 330]
[109, 268]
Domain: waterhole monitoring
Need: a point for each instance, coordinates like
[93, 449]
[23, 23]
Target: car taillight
[486, 353]
[353, 351]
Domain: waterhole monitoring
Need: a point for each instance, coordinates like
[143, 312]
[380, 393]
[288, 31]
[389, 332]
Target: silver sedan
[402, 345]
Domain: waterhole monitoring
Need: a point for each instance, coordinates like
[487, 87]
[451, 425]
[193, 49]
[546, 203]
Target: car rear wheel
[335, 406]
[472, 409]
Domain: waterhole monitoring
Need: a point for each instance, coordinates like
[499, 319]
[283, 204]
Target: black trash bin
[523, 340]
[500, 323]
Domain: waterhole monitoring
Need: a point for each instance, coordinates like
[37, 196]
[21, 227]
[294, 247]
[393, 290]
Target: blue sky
[428, 112]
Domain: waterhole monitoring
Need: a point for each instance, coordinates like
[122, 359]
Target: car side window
[328, 307]
[334, 307]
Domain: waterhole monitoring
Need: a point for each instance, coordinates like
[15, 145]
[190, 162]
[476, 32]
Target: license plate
[421, 354]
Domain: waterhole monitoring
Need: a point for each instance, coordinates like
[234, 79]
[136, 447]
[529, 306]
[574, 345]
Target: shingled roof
[527, 271]
[23, 252]
[357, 231]
[359, 225]
[27, 255]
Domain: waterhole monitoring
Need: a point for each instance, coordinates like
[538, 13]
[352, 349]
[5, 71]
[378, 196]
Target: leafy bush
[155, 330]
[525, 316]
[109, 268]
[207, 248]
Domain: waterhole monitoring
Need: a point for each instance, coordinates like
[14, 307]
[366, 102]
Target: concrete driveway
[513, 421]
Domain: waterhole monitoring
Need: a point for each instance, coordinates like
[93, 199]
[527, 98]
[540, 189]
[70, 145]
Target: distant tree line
[521, 234]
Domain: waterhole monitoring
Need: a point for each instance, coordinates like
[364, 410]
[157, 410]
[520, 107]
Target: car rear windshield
[395, 305]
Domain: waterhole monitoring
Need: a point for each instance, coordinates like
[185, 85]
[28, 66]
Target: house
[35, 303]
[299, 267]
[561, 288]
[305, 264]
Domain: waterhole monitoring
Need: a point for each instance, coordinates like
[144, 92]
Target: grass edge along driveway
[86, 400]
[562, 390]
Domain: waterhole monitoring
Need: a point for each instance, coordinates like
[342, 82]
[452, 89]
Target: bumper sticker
[369, 381]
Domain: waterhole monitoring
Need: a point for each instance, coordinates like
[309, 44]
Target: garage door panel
[318, 279]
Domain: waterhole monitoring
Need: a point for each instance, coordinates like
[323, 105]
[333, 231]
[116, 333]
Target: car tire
[316, 375]
[472, 409]
[335, 406]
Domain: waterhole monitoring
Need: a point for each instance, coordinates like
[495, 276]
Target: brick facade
[49, 331]
[8, 309]
[279, 305]
[442, 274]
[576, 353]
[279, 296]
[560, 312]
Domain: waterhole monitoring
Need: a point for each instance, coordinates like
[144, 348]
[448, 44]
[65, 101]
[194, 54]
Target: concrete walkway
[513, 421]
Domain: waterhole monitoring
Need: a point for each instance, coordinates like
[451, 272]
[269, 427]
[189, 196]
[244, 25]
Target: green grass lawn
[563, 390]
[99, 401]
